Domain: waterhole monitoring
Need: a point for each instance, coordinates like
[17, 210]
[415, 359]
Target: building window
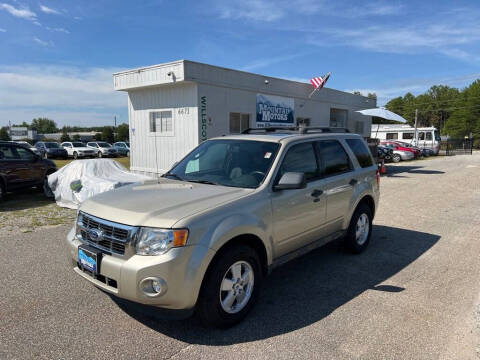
[392, 136]
[303, 121]
[407, 136]
[338, 118]
[359, 127]
[161, 122]
[239, 122]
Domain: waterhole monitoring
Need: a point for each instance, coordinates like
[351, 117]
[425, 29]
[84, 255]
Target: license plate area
[89, 258]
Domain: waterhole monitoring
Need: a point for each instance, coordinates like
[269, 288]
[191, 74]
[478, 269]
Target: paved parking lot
[413, 294]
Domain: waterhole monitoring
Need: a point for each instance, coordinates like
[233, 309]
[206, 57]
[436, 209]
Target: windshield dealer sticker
[268, 155]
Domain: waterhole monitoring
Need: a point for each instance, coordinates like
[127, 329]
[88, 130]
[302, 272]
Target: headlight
[152, 241]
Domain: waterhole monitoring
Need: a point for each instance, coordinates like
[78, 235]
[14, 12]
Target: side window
[421, 135]
[6, 153]
[334, 158]
[161, 122]
[361, 152]
[392, 136]
[407, 135]
[300, 158]
[23, 153]
[428, 135]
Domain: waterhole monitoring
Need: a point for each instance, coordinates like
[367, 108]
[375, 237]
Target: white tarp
[81, 179]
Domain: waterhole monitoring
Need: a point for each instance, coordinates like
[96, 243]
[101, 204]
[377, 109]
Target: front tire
[99, 154]
[230, 288]
[128, 153]
[359, 230]
[75, 155]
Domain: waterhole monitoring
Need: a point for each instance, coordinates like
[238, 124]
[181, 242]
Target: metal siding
[157, 75]
[169, 148]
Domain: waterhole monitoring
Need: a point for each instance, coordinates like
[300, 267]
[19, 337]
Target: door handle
[316, 193]
[353, 182]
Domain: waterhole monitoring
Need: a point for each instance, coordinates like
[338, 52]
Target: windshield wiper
[203, 182]
[172, 175]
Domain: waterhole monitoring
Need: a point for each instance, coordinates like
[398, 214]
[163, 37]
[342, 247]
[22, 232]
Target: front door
[299, 214]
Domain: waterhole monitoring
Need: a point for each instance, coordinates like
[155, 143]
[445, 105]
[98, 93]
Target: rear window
[361, 152]
[334, 158]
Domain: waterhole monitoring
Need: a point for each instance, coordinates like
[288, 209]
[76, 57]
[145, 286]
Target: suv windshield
[104, 145]
[78, 144]
[238, 163]
[51, 145]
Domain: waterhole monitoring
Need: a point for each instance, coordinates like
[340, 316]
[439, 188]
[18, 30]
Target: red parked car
[403, 147]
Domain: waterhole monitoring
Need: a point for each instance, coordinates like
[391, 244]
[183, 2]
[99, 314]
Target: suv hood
[159, 204]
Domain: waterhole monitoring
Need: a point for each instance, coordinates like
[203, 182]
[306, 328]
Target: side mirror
[291, 180]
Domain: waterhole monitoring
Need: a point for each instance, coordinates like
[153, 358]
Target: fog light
[157, 287]
[153, 286]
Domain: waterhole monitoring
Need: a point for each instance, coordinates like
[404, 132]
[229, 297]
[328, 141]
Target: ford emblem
[95, 235]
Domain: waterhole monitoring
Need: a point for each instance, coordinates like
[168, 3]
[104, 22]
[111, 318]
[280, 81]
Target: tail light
[378, 177]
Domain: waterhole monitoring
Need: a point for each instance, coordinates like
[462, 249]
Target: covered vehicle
[82, 179]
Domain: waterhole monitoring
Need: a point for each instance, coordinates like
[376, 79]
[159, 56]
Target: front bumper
[85, 154]
[182, 269]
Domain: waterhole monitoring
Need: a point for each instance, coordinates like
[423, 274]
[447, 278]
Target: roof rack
[297, 129]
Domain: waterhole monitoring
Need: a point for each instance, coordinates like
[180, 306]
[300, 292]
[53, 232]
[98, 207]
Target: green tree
[44, 125]
[107, 134]
[97, 136]
[122, 132]
[76, 137]
[4, 135]
[465, 117]
[65, 136]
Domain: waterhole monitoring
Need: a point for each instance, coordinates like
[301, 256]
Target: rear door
[299, 214]
[339, 181]
[15, 171]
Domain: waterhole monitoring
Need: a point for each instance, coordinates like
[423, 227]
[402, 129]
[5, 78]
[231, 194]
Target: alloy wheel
[236, 287]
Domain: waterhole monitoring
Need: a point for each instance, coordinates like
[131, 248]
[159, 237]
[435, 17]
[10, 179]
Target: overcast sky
[57, 57]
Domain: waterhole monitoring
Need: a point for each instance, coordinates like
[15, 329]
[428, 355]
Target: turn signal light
[180, 237]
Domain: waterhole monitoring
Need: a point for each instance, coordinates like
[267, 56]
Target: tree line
[454, 112]
[48, 126]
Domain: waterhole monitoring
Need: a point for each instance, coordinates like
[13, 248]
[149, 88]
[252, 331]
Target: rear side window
[361, 152]
[334, 158]
[300, 158]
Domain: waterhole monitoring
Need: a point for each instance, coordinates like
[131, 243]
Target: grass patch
[125, 161]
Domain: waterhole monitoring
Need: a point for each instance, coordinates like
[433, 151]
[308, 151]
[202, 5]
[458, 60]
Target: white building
[21, 133]
[174, 106]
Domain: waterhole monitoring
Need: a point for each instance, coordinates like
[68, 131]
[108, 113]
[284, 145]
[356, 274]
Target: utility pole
[416, 119]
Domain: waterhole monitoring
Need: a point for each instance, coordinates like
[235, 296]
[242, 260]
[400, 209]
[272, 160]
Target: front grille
[114, 236]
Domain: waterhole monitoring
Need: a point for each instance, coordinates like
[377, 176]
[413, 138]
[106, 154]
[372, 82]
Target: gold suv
[205, 235]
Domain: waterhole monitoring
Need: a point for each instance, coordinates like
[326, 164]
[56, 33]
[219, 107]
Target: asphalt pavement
[414, 294]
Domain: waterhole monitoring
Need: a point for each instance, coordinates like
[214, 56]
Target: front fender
[236, 225]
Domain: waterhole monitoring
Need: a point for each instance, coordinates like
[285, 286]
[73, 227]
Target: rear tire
[396, 158]
[216, 290]
[359, 230]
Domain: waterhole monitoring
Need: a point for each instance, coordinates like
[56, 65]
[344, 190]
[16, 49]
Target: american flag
[319, 82]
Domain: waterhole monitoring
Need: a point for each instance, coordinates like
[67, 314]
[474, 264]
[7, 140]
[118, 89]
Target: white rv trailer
[426, 137]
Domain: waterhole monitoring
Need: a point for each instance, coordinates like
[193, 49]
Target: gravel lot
[413, 294]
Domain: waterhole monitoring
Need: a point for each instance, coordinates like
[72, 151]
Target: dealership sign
[274, 111]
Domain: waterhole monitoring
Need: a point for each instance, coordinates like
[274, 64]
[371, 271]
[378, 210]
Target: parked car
[123, 148]
[398, 155]
[416, 150]
[21, 168]
[384, 152]
[398, 146]
[102, 149]
[28, 146]
[78, 149]
[205, 234]
[50, 149]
